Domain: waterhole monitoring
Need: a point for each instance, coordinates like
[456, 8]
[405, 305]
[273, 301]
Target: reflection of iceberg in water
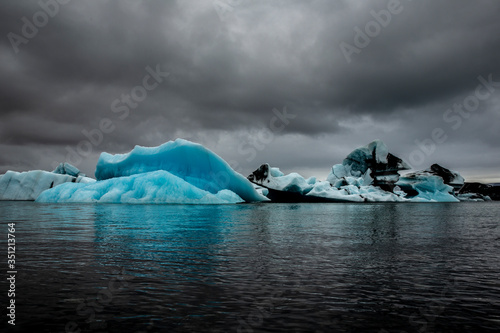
[159, 236]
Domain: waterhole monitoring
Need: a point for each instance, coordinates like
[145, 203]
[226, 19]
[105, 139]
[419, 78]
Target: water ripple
[257, 268]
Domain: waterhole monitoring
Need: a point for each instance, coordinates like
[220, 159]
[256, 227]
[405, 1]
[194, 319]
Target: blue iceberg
[178, 171]
[425, 186]
[156, 187]
[183, 172]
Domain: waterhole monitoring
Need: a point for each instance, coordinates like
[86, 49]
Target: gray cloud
[229, 70]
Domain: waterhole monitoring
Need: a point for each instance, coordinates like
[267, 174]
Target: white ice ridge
[346, 187]
[28, 185]
[369, 173]
[350, 188]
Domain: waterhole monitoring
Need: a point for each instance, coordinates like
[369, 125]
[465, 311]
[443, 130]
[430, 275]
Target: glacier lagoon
[309, 267]
[340, 255]
[183, 172]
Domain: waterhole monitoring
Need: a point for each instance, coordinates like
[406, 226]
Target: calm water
[255, 267]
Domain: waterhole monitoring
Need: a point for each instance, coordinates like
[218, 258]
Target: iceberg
[273, 178]
[158, 187]
[433, 184]
[68, 169]
[295, 188]
[323, 189]
[28, 185]
[180, 172]
[183, 172]
[373, 163]
[474, 197]
[279, 187]
[479, 192]
[189, 161]
[423, 186]
[368, 174]
[450, 177]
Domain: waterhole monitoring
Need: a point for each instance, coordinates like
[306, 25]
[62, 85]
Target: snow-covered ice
[28, 185]
[324, 189]
[368, 174]
[347, 188]
[292, 182]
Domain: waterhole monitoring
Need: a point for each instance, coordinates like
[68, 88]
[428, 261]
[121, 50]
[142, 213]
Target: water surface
[255, 267]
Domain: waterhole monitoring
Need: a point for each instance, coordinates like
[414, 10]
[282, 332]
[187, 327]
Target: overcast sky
[297, 84]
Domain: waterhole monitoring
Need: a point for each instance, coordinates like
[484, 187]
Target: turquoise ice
[178, 171]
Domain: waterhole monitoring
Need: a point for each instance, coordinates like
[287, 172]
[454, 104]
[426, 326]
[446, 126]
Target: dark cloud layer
[231, 63]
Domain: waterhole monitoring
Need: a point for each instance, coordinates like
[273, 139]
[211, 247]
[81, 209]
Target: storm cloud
[297, 84]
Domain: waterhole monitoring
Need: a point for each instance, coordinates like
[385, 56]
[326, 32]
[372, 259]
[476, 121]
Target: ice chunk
[68, 169]
[491, 191]
[450, 177]
[425, 186]
[376, 194]
[374, 156]
[354, 193]
[375, 161]
[274, 179]
[324, 189]
[294, 188]
[311, 180]
[341, 175]
[340, 171]
[262, 190]
[189, 161]
[156, 187]
[292, 182]
[284, 188]
[369, 173]
[28, 185]
[276, 172]
[475, 197]
[433, 184]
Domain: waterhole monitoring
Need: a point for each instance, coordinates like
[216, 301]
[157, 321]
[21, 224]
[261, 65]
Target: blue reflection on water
[269, 267]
